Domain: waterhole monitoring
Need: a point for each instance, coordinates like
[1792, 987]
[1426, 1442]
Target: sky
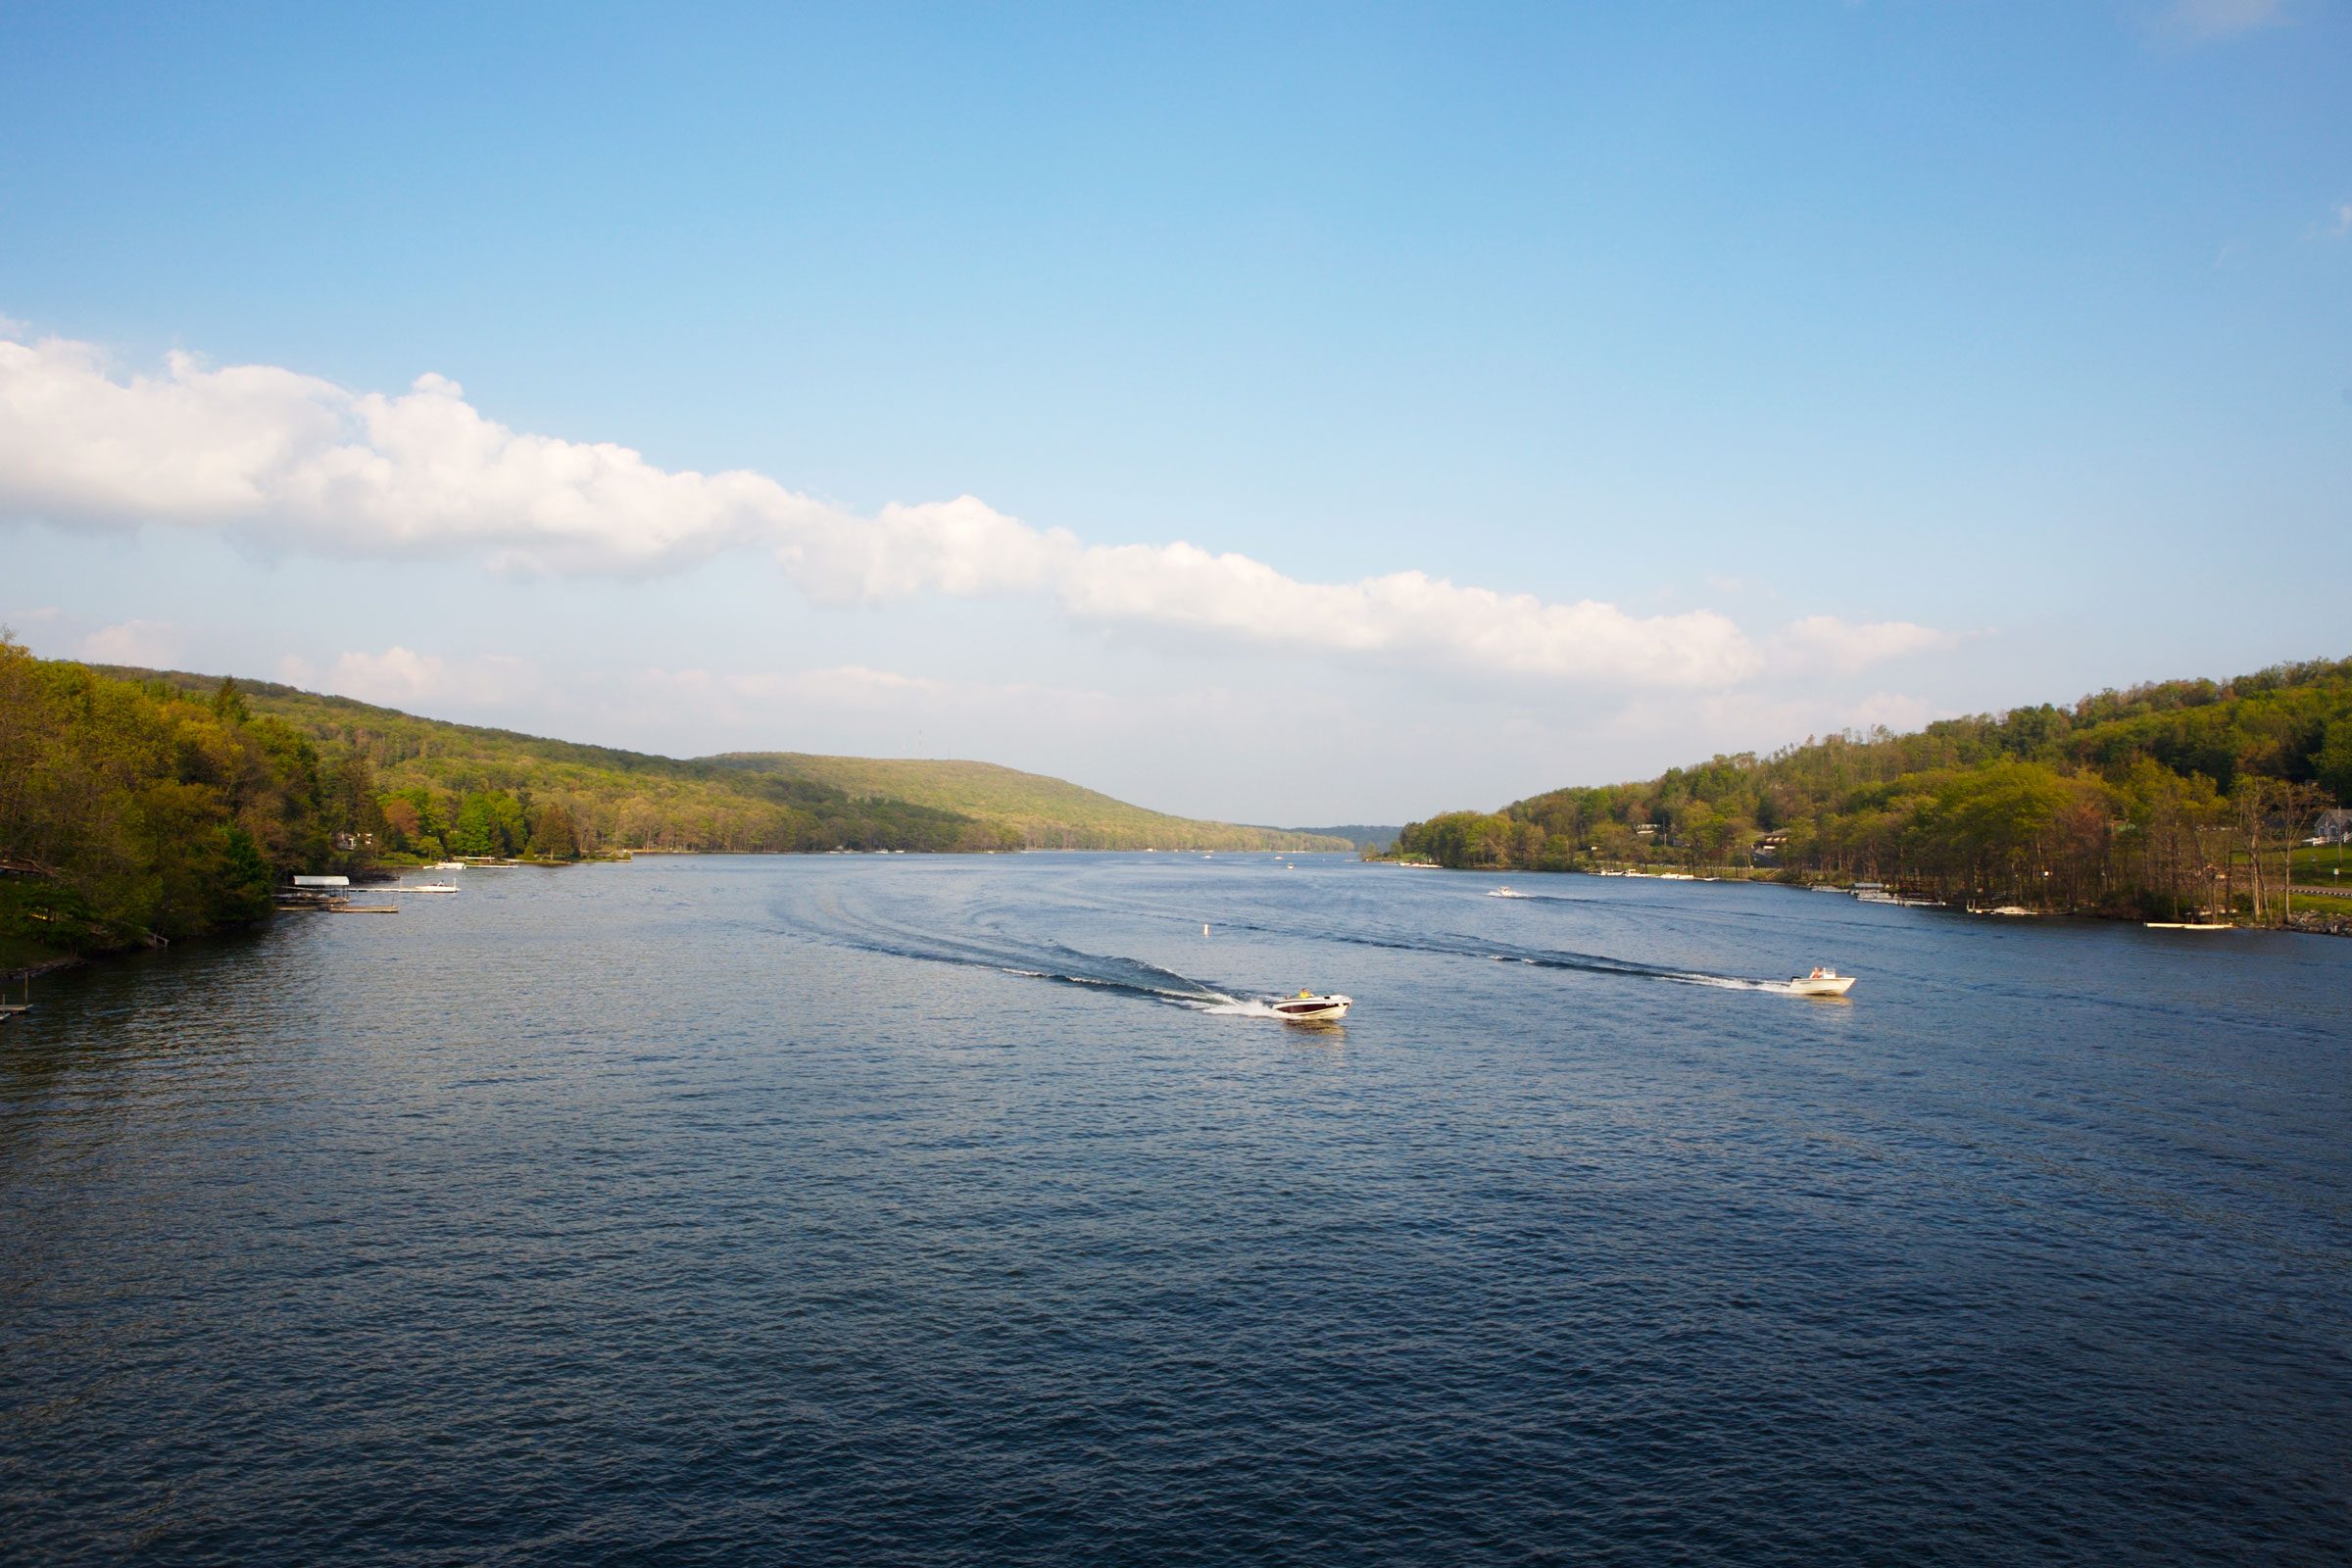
[1279, 412]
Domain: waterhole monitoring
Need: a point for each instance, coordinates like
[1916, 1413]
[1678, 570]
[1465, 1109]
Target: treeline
[427, 821]
[470, 781]
[137, 812]
[143, 805]
[442, 789]
[2175, 795]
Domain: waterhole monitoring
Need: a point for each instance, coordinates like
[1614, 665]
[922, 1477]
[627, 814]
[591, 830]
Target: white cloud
[299, 461]
[757, 698]
[147, 644]
[400, 677]
[1826, 643]
[2343, 220]
[290, 460]
[2221, 19]
[1894, 710]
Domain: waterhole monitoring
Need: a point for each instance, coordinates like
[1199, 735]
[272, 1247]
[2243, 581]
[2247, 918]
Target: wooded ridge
[142, 806]
[2165, 799]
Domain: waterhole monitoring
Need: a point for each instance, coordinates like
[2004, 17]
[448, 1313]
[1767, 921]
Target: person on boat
[1816, 975]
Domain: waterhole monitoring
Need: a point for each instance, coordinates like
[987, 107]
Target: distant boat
[2191, 925]
[1505, 893]
[447, 866]
[1822, 982]
[426, 887]
[1308, 1008]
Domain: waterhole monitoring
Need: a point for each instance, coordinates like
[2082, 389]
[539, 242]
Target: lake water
[968, 1210]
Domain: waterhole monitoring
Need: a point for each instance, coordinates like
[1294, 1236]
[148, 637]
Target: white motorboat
[1822, 982]
[447, 866]
[1308, 1008]
[1503, 893]
[426, 887]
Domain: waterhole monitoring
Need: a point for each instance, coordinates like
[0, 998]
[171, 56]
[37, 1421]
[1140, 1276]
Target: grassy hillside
[1049, 812]
[766, 801]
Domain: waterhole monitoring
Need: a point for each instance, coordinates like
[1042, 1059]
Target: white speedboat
[1503, 893]
[1822, 982]
[1308, 1008]
[426, 887]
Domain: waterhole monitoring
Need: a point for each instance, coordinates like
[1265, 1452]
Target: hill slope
[1049, 812]
[2172, 795]
[767, 800]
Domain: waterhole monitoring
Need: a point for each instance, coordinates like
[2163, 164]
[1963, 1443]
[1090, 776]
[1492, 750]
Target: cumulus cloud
[300, 461]
[1826, 643]
[1894, 710]
[287, 459]
[747, 697]
[402, 677]
[146, 644]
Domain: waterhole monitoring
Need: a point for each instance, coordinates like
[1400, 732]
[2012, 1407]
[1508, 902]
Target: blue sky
[1868, 362]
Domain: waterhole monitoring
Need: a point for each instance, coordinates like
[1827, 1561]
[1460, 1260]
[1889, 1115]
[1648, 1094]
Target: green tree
[554, 833]
[489, 823]
[2333, 764]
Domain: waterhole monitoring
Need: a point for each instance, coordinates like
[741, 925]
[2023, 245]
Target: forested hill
[2161, 797]
[142, 805]
[1047, 812]
[749, 802]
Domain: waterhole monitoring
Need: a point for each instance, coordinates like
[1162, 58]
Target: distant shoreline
[2321, 921]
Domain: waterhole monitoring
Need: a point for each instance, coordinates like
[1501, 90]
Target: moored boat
[1308, 1008]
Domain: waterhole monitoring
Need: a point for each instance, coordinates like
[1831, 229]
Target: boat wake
[1052, 962]
[1455, 945]
[981, 945]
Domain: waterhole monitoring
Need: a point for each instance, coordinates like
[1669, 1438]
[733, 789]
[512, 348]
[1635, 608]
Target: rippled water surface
[970, 1210]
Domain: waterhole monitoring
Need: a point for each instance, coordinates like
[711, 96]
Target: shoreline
[33, 971]
[2319, 922]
